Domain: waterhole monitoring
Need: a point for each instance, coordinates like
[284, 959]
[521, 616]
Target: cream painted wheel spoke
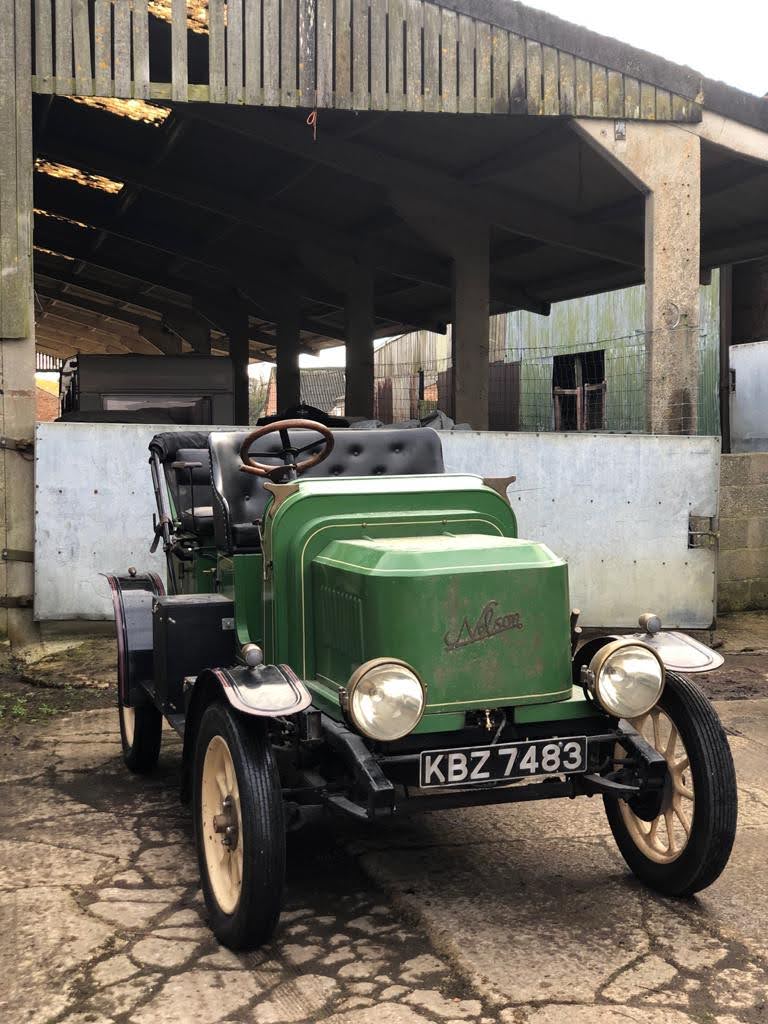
[681, 818]
[128, 716]
[222, 825]
[655, 720]
[664, 845]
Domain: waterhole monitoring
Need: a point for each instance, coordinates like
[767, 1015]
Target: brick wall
[47, 405]
[743, 563]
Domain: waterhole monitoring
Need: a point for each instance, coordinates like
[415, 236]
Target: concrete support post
[664, 161]
[239, 346]
[288, 337]
[470, 342]
[17, 328]
[359, 334]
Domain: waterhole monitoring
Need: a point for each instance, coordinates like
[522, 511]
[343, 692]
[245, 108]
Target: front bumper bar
[374, 795]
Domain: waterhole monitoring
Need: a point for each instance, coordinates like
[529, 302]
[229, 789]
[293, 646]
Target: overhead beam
[266, 217]
[55, 270]
[517, 156]
[494, 205]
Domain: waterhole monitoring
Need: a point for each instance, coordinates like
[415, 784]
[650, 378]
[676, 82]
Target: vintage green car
[352, 630]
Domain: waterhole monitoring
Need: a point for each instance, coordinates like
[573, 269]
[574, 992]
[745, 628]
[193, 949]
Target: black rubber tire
[255, 918]
[142, 754]
[713, 827]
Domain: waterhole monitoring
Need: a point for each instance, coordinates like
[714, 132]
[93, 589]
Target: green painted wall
[614, 323]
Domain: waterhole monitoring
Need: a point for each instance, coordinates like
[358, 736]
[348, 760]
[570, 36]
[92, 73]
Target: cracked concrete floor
[519, 915]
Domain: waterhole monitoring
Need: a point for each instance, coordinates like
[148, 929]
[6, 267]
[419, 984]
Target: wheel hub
[225, 824]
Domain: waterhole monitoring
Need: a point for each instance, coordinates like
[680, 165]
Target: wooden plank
[567, 83]
[343, 54]
[252, 32]
[179, 70]
[483, 69]
[551, 75]
[288, 34]
[307, 52]
[43, 46]
[500, 50]
[24, 164]
[518, 91]
[615, 94]
[271, 55]
[378, 54]
[82, 39]
[583, 88]
[466, 65]
[102, 47]
[216, 56]
[647, 101]
[396, 61]
[414, 22]
[449, 83]
[533, 77]
[663, 105]
[324, 53]
[9, 237]
[631, 98]
[63, 46]
[431, 57]
[123, 48]
[235, 51]
[599, 91]
[361, 96]
[140, 24]
[681, 108]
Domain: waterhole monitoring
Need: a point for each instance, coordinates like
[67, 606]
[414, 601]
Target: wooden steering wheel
[288, 452]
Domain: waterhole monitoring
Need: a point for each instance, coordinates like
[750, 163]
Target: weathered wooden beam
[267, 217]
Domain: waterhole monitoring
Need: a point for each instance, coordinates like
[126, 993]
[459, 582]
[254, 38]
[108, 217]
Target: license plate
[467, 766]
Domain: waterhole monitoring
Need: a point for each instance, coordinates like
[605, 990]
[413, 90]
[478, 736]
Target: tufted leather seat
[239, 498]
[187, 447]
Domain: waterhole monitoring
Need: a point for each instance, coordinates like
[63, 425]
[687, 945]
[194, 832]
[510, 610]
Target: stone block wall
[743, 562]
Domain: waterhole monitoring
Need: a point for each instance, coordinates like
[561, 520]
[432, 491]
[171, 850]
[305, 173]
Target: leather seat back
[239, 499]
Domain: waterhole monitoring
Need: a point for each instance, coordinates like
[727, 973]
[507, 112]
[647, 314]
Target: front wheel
[679, 841]
[239, 827]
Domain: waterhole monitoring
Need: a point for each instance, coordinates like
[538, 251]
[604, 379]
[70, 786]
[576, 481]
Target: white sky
[725, 41]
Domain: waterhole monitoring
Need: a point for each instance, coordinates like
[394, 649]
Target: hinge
[14, 555]
[17, 444]
[703, 531]
[15, 602]
[732, 380]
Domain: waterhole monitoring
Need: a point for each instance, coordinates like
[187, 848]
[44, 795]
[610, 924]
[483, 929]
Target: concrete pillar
[664, 161]
[470, 343]
[17, 328]
[239, 346]
[288, 335]
[359, 334]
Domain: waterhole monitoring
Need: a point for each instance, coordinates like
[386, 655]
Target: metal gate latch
[703, 531]
[14, 555]
[17, 444]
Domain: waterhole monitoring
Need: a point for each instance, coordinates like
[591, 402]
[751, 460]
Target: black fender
[678, 651]
[266, 691]
[132, 597]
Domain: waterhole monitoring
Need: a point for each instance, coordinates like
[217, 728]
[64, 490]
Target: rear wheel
[239, 827]
[679, 841]
[140, 732]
